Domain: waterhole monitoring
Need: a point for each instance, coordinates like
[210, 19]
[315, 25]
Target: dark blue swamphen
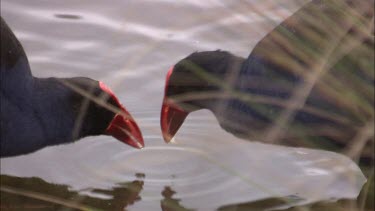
[308, 83]
[40, 112]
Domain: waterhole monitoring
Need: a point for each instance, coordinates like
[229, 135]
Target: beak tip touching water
[171, 120]
[126, 130]
[167, 137]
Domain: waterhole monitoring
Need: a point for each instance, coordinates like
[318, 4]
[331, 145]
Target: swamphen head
[195, 82]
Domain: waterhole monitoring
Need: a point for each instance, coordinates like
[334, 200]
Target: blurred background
[130, 45]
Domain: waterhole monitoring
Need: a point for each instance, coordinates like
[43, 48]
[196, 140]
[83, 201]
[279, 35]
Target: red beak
[171, 119]
[172, 116]
[124, 128]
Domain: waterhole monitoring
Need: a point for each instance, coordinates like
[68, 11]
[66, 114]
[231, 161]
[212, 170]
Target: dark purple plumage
[39, 112]
[293, 89]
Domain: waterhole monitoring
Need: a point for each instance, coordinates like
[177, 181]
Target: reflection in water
[68, 16]
[273, 203]
[262, 204]
[169, 203]
[41, 195]
[33, 193]
[140, 175]
[132, 53]
[363, 202]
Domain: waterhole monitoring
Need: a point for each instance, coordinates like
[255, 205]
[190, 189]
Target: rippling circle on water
[169, 163]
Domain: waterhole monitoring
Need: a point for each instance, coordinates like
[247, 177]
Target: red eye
[110, 92]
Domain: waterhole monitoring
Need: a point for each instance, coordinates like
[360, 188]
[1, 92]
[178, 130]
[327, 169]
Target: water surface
[130, 45]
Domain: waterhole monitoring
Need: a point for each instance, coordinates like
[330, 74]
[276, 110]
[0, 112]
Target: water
[130, 45]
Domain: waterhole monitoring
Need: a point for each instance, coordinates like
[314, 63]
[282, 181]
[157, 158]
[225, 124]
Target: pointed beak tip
[141, 145]
[167, 137]
[171, 120]
[138, 145]
[127, 131]
[135, 139]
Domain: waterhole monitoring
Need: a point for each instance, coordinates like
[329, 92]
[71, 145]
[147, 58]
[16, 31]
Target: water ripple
[130, 45]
